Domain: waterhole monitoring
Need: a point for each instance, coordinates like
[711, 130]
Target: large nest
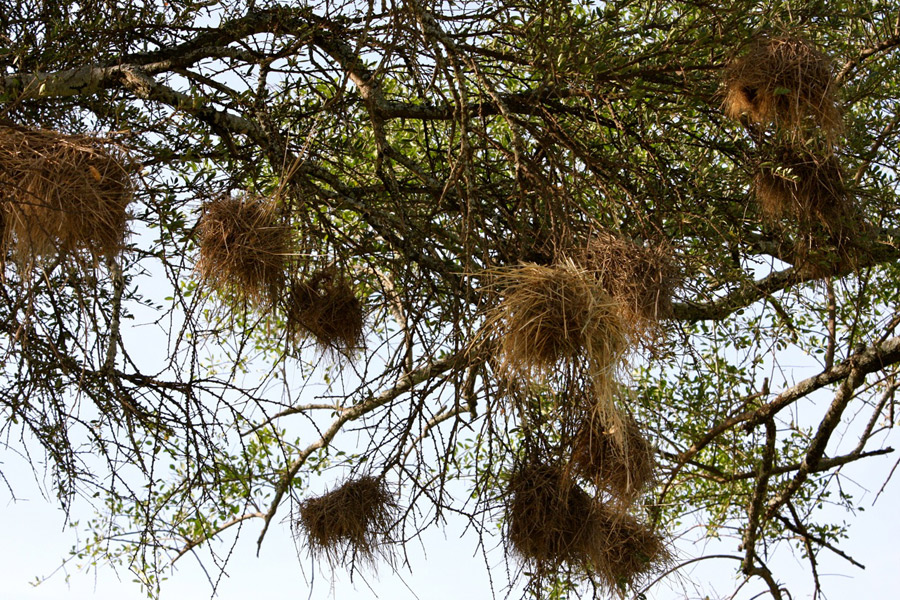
[623, 465]
[553, 314]
[783, 80]
[641, 279]
[552, 523]
[326, 308]
[62, 193]
[809, 192]
[243, 247]
[352, 521]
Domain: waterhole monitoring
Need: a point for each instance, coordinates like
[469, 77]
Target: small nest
[625, 551]
[803, 187]
[622, 465]
[351, 521]
[785, 81]
[819, 253]
[326, 308]
[642, 280]
[62, 193]
[809, 192]
[243, 248]
[552, 314]
[549, 517]
[553, 523]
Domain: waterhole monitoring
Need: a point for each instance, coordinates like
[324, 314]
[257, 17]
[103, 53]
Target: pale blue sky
[35, 544]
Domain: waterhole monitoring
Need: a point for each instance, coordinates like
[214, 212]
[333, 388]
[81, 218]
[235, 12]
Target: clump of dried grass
[326, 308]
[805, 187]
[243, 247]
[625, 551]
[549, 517]
[353, 521]
[783, 80]
[641, 279]
[552, 522]
[553, 314]
[820, 252]
[62, 193]
[621, 464]
[809, 191]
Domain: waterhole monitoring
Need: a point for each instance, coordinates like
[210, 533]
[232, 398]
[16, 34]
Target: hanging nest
[808, 191]
[243, 248]
[549, 518]
[641, 279]
[554, 314]
[625, 551]
[786, 81]
[803, 187]
[551, 523]
[350, 522]
[821, 252]
[568, 398]
[62, 193]
[326, 308]
[622, 465]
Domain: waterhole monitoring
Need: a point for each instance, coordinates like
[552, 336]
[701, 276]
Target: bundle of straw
[353, 518]
[243, 247]
[326, 308]
[553, 314]
[62, 193]
[785, 81]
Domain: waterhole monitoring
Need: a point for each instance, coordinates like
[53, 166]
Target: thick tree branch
[885, 249]
[147, 88]
[819, 442]
[870, 360]
[759, 496]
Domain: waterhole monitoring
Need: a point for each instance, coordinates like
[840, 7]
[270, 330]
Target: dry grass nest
[641, 279]
[809, 192]
[820, 252]
[622, 465]
[552, 522]
[552, 314]
[548, 517]
[326, 308]
[352, 521]
[62, 193]
[803, 187]
[243, 247]
[783, 80]
[626, 551]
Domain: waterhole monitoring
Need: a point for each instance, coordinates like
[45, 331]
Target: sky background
[444, 566]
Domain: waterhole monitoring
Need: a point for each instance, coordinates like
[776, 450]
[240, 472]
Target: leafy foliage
[410, 152]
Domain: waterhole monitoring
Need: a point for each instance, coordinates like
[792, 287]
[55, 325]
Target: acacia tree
[419, 153]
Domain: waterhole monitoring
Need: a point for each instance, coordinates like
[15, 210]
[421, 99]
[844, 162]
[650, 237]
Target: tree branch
[759, 496]
[870, 360]
[817, 447]
[885, 249]
[406, 383]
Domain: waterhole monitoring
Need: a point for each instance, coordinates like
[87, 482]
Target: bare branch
[406, 383]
